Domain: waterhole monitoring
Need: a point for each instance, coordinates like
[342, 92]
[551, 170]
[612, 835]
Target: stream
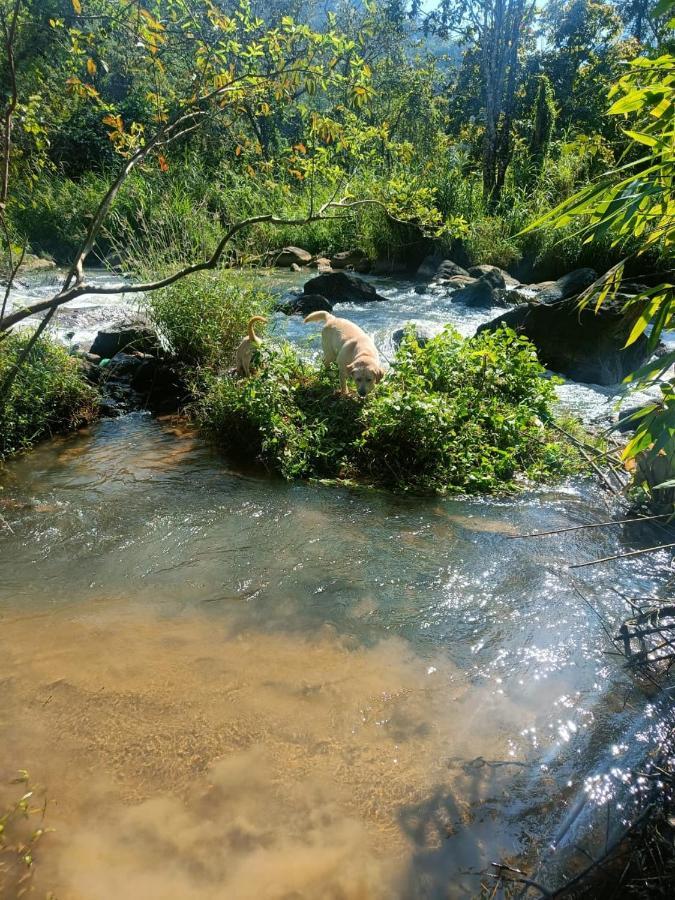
[232, 687]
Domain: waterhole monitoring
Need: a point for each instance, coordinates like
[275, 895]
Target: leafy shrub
[203, 317]
[454, 415]
[48, 395]
[286, 415]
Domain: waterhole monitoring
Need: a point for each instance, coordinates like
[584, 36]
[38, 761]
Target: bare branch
[71, 291]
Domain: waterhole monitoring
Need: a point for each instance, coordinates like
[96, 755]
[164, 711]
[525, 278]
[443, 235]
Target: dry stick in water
[591, 525]
[596, 468]
[603, 559]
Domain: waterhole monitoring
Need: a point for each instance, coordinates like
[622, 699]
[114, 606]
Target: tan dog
[248, 346]
[355, 353]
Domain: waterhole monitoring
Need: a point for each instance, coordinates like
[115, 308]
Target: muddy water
[229, 687]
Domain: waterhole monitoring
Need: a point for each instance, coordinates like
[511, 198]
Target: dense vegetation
[453, 415]
[282, 104]
[47, 396]
[167, 137]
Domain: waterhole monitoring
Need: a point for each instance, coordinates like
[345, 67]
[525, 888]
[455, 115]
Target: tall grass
[49, 394]
[178, 216]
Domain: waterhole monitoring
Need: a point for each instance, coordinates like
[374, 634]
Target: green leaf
[641, 138]
[644, 319]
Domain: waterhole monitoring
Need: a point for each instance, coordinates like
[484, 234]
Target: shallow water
[230, 687]
[233, 687]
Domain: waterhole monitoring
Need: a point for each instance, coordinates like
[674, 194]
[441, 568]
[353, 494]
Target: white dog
[352, 349]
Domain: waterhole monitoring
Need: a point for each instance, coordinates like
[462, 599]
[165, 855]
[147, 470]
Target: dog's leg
[329, 354]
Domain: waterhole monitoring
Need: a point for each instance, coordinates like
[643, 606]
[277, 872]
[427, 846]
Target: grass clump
[49, 394]
[454, 415]
[203, 318]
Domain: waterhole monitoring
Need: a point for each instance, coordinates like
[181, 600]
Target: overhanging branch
[80, 287]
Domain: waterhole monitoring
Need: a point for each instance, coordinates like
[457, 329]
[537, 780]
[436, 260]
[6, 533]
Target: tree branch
[70, 292]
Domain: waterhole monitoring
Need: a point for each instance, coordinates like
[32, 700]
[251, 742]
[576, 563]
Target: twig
[583, 450]
[520, 879]
[5, 523]
[591, 525]
[72, 290]
[603, 559]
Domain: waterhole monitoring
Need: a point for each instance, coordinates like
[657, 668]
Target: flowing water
[225, 686]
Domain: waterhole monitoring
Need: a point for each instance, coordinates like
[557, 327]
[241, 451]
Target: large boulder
[342, 287]
[436, 266]
[500, 275]
[455, 282]
[351, 259]
[570, 285]
[135, 335]
[579, 343]
[304, 304]
[285, 258]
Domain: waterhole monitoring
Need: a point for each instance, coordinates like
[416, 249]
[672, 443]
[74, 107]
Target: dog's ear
[379, 376]
[350, 368]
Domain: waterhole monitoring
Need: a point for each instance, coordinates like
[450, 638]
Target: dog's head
[365, 376]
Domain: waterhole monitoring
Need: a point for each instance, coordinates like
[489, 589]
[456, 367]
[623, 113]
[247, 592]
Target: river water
[225, 686]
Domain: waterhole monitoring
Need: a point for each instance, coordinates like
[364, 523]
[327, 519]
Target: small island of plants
[454, 415]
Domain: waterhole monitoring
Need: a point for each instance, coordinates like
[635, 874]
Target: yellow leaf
[77, 6]
[91, 66]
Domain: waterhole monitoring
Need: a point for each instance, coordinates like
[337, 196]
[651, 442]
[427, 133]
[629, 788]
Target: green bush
[48, 395]
[454, 415]
[203, 317]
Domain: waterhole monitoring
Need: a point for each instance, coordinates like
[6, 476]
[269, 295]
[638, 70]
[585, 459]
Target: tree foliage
[636, 201]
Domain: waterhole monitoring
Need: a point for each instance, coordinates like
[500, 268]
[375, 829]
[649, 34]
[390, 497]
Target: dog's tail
[252, 336]
[319, 316]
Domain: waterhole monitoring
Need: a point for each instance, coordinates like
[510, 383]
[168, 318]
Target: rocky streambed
[587, 350]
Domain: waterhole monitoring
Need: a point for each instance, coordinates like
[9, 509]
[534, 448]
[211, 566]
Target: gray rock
[285, 258]
[137, 335]
[436, 266]
[140, 381]
[501, 277]
[570, 285]
[625, 423]
[578, 343]
[522, 294]
[455, 282]
[342, 287]
[422, 332]
[304, 304]
[481, 294]
[351, 259]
